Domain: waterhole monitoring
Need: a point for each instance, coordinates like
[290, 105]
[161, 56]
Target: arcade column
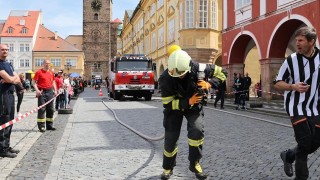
[269, 70]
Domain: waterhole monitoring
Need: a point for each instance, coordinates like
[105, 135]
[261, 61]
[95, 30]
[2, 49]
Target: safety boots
[166, 174]
[196, 168]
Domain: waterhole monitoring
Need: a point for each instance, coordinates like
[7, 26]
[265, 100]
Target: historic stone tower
[98, 37]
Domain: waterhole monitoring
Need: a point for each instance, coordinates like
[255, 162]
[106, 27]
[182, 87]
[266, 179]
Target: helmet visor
[176, 73]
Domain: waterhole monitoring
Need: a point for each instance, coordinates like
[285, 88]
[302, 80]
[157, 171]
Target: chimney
[55, 35]
[22, 22]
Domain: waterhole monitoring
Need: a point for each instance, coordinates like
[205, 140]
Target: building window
[24, 63]
[161, 37]
[24, 30]
[27, 63]
[171, 30]
[21, 47]
[203, 14]
[160, 3]
[189, 13]
[72, 62]
[152, 9]
[39, 62]
[214, 15]
[10, 30]
[147, 42]
[153, 41]
[242, 3]
[27, 48]
[96, 16]
[56, 62]
[11, 47]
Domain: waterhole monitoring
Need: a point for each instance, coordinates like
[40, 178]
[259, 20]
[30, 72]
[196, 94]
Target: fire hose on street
[148, 138]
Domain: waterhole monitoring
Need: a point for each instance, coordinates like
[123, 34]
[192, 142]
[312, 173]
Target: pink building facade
[269, 26]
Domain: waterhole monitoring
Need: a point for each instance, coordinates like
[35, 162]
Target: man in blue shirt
[8, 78]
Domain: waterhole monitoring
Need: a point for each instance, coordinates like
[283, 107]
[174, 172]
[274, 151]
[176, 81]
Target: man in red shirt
[59, 84]
[46, 89]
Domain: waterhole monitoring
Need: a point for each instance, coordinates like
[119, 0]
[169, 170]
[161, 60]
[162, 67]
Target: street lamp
[68, 66]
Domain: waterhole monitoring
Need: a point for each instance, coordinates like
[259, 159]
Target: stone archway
[281, 44]
[244, 58]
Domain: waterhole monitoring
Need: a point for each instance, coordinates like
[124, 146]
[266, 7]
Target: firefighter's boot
[166, 174]
[41, 126]
[196, 168]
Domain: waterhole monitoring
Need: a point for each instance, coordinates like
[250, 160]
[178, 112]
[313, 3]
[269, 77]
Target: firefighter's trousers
[172, 124]
[45, 114]
[6, 114]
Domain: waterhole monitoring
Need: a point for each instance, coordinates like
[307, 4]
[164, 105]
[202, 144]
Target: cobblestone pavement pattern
[90, 144]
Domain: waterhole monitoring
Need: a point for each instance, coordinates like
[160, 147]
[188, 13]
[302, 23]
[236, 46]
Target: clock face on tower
[96, 5]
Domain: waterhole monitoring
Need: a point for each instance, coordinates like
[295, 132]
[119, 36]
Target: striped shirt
[298, 68]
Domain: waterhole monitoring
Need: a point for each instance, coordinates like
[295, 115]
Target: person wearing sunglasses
[182, 94]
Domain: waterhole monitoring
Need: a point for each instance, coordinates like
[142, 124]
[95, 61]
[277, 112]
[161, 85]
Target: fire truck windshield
[134, 65]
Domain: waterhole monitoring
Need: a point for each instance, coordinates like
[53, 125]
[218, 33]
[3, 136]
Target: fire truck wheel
[111, 94]
[65, 111]
[148, 97]
[117, 96]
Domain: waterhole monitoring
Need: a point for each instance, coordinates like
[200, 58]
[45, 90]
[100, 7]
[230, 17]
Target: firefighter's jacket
[175, 92]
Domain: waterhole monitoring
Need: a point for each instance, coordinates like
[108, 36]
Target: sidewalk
[24, 134]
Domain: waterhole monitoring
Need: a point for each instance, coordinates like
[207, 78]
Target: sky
[64, 16]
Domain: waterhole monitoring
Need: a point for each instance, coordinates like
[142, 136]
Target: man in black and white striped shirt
[299, 78]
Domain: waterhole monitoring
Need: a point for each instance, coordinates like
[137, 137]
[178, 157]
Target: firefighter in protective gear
[181, 93]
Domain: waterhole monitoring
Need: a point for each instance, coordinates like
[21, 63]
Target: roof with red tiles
[117, 20]
[48, 41]
[22, 23]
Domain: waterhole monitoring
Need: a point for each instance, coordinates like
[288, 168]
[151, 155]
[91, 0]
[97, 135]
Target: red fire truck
[131, 75]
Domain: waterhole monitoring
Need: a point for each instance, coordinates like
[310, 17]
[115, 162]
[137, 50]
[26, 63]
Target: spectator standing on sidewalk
[221, 91]
[8, 78]
[246, 86]
[59, 83]
[20, 89]
[299, 78]
[46, 89]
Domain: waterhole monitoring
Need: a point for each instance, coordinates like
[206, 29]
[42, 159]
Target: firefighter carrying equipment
[195, 99]
[204, 85]
[179, 63]
[173, 48]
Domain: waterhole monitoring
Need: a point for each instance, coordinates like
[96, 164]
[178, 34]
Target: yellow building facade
[155, 25]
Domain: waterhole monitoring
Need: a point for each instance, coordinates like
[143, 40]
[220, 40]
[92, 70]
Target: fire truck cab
[131, 75]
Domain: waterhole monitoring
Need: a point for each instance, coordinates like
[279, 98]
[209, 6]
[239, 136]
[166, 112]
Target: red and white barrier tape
[26, 114]
[259, 90]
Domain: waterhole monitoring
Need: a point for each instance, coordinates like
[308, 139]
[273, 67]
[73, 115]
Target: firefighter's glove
[203, 85]
[195, 99]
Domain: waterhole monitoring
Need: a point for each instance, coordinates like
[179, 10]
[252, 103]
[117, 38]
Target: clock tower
[98, 37]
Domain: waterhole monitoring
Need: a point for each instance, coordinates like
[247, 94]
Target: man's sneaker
[10, 149]
[42, 129]
[196, 168]
[286, 165]
[166, 174]
[8, 154]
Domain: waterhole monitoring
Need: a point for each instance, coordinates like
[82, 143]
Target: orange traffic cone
[100, 92]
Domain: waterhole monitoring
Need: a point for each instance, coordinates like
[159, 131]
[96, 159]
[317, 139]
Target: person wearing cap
[45, 86]
[59, 83]
[182, 93]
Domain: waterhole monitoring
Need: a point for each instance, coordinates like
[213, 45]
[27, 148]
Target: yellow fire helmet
[173, 48]
[179, 63]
